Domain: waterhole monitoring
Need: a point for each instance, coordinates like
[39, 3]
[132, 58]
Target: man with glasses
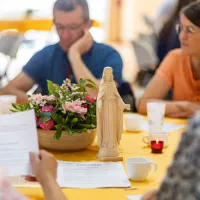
[76, 55]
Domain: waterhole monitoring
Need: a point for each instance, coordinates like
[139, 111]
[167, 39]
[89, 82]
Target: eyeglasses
[188, 30]
[70, 28]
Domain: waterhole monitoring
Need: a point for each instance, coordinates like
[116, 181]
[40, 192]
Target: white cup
[133, 122]
[147, 138]
[156, 114]
[138, 169]
[6, 103]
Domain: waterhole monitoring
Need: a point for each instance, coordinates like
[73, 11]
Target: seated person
[183, 178]
[180, 71]
[76, 56]
[167, 37]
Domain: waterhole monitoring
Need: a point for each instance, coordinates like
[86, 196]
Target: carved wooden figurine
[110, 109]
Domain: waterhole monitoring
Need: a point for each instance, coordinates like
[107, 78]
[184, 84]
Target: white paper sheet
[92, 175]
[18, 137]
[167, 127]
[84, 175]
[134, 197]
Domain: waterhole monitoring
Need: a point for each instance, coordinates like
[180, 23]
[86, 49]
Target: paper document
[134, 197]
[92, 175]
[18, 137]
[167, 127]
[84, 175]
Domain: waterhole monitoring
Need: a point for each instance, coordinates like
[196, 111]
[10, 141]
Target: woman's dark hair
[192, 12]
[166, 30]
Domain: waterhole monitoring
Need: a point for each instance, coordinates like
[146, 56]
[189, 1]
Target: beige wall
[132, 12]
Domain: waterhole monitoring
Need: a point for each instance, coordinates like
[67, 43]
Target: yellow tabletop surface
[131, 146]
[24, 25]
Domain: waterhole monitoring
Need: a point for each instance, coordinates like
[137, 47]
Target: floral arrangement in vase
[67, 108]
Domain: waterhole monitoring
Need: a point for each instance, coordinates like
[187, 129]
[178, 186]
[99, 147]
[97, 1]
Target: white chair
[9, 45]
[145, 54]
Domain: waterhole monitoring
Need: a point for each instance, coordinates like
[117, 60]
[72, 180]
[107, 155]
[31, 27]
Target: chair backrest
[9, 44]
[145, 54]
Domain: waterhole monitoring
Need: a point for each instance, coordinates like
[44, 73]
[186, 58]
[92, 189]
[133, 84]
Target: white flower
[74, 88]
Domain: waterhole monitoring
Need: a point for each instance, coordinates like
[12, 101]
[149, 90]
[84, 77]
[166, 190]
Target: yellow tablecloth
[24, 25]
[131, 146]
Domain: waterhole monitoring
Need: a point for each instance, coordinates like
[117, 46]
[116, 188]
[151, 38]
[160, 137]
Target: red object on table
[157, 146]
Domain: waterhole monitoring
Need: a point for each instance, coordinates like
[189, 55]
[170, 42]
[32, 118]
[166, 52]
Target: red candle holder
[157, 146]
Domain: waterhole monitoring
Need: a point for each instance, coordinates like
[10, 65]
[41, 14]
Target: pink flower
[49, 98]
[36, 99]
[46, 126]
[47, 109]
[76, 107]
[90, 99]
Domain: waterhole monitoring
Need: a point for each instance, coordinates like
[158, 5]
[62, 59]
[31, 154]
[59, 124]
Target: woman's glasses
[188, 29]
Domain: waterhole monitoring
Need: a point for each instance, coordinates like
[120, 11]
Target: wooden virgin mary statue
[110, 109]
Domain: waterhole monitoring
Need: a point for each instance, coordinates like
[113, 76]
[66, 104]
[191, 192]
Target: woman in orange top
[180, 70]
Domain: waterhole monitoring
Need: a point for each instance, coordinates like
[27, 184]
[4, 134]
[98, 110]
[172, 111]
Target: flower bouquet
[67, 111]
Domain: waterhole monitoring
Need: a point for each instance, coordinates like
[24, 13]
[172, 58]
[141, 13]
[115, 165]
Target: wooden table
[131, 146]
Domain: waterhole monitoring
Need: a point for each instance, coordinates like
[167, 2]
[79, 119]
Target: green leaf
[74, 121]
[57, 118]
[44, 119]
[14, 105]
[45, 114]
[90, 81]
[58, 134]
[51, 87]
[81, 89]
[58, 126]
[69, 131]
[90, 86]
[66, 120]
[82, 130]
[13, 110]
[19, 107]
[87, 126]
[94, 121]
[82, 81]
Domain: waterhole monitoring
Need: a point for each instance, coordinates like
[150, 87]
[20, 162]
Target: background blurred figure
[167, 37]
[164, 36]
[180, 70]
[165, 11]
[76, 55]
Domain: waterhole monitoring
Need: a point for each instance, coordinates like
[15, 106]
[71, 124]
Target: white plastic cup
[156, 114]
[6, 103]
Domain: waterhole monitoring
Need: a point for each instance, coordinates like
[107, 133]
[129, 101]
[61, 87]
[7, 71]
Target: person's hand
[44, 167]
[186, 110]
[151, 195]
[83, 45]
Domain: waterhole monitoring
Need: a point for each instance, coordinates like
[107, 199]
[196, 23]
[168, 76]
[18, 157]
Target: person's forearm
[52, 191]
[81, 71]
[171, 107]
[21, 96]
